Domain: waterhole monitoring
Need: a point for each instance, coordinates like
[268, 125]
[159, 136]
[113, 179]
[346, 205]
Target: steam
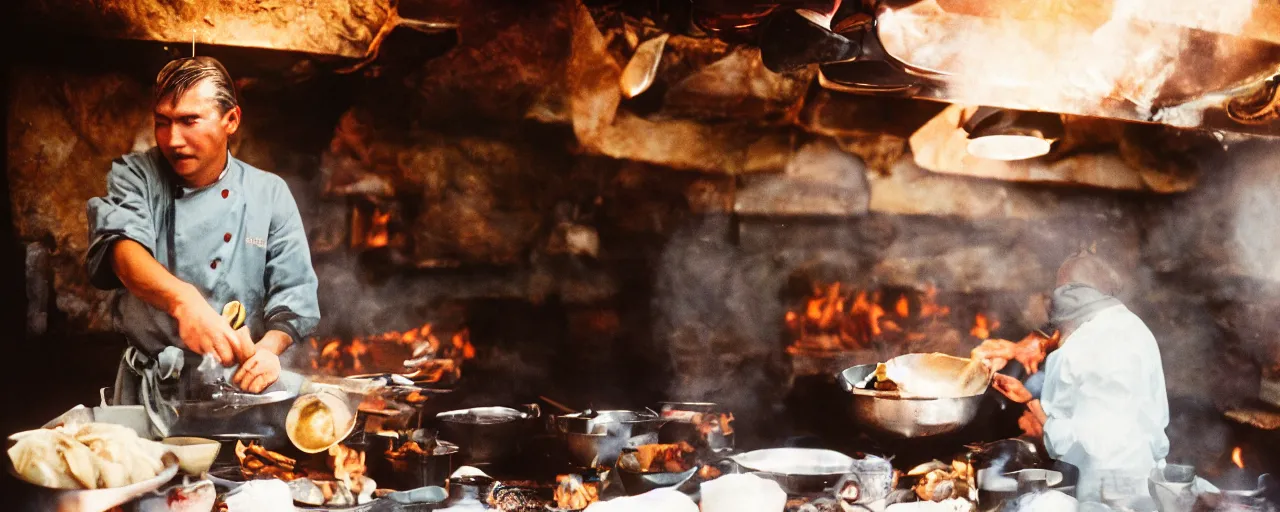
[1059, 61]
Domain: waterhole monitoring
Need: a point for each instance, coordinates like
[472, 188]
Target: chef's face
[192, 132]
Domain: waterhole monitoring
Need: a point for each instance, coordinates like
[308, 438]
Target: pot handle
[532, 410]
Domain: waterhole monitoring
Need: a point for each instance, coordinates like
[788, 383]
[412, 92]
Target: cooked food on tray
[88, 456]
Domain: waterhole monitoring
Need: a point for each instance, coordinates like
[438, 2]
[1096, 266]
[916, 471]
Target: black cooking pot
[414, 470]
[487, 434]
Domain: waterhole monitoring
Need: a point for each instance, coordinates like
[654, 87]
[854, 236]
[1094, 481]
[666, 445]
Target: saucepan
[415, 469]
[954, 389]
[596, 438]
[701, 424]
[486, 434]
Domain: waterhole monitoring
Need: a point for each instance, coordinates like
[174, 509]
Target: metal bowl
[639, 482]
[892, 414]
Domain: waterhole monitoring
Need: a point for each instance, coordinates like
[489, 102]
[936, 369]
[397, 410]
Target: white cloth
[665, 500]
[259, 496]
[1104, 395]
[742, 493]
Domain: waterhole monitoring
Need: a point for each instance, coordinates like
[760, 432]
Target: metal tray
[82, 500]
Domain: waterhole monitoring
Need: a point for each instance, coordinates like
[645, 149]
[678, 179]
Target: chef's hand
[995, 353]
[1012, 388]
[260, 371]
[1031, 351]
[1030, 425]
[204, 331]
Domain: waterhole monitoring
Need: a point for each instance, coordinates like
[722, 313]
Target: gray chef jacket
[240, 238]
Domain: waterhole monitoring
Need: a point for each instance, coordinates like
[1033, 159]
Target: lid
[482, 415]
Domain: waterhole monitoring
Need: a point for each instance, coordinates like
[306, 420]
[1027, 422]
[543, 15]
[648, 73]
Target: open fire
[417, 353]
[369, 227]
[836, 318]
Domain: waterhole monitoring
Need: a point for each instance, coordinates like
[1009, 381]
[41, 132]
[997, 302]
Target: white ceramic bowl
[195, 454]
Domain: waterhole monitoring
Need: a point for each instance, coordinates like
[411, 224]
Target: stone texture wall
[516, 170]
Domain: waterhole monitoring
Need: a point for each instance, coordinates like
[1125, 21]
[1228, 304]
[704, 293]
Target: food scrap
[939, 481]
[573, 494]
[663, 457]
[257, 462]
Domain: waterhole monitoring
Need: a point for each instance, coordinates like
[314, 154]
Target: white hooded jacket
[1104, 396]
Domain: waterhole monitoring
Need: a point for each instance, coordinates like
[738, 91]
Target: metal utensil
[210, 376]
[74, 500]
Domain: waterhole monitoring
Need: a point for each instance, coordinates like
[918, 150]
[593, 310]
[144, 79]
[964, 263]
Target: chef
[186, 228]
[1103, 407]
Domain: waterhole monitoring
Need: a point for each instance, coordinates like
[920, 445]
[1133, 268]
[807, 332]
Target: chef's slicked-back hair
[180, 75]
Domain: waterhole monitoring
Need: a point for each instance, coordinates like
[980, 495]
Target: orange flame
[834, 318]
[929, 307]
[982, 327]
[1237, 456]
[348, 466]
[378, 229]
[373, 352]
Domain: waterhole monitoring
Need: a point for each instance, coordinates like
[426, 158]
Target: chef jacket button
[226, 237]
[214, 264]
[225, 193]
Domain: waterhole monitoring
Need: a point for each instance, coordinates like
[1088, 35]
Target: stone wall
[516, 170]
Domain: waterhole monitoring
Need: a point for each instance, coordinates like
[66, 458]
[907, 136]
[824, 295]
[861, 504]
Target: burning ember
[573, 494]
[836, 319]
[1237, 457]
[417, 353]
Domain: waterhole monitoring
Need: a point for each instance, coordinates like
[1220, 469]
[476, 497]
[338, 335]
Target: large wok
[958, 389]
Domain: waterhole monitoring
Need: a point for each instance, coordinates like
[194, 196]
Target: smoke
[1079, 60]
[1209, 290]
[720, 332]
